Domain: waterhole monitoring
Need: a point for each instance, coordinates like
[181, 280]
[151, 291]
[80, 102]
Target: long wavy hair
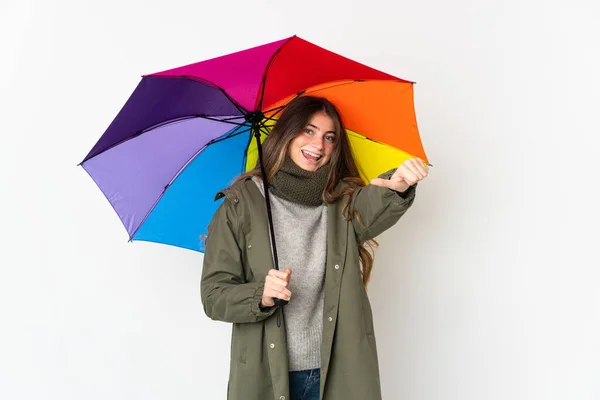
[344, 168]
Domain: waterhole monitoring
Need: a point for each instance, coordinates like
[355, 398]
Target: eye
[308, 131]
[330, 138]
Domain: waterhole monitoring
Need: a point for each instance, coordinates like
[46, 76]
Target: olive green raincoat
[238, 258]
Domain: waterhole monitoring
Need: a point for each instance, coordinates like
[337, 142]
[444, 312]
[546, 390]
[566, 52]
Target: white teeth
[312, 154]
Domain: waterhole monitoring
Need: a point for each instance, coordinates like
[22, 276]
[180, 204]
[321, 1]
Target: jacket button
[336, 266]
[330, 319]
[249, 246]
[282, 398]
[272, 346]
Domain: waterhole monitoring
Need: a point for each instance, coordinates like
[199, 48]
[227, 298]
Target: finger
[276, 286]
[284, 294]
[412, 170]
[278, 274]
[410, 166]
[272, 281]
[276, 283]
[409, 177]
[421, 166]
[277, 291]
[288, 273]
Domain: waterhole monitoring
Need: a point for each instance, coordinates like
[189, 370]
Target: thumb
[288, 271]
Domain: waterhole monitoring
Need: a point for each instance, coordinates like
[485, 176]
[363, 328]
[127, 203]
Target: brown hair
[344, 168]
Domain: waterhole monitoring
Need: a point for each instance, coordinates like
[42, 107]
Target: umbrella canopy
[187, 132]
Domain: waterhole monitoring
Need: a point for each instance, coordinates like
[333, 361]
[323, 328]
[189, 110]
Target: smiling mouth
[310, 156]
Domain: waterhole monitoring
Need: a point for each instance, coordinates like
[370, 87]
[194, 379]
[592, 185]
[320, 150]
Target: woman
[324, 222]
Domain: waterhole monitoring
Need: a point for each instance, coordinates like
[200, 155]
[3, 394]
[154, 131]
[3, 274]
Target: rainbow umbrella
[185, 133]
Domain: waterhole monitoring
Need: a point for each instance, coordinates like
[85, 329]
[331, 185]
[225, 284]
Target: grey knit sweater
[301, 236]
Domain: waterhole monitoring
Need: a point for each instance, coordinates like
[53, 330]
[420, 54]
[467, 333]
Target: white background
[487, 289]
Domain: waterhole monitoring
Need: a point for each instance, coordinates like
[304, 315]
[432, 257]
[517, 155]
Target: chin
[311, 168]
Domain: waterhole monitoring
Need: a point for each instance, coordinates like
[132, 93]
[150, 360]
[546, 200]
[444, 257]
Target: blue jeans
[305, 385]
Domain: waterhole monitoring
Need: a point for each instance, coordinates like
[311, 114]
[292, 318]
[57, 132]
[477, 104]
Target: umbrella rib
[158, 125]
[264, 78]
[263, 129]
[281, 108]
[197, 78]
[138, 133]
[363, 137]
[267, 128]
[231, 118]
[180, 170]
[224, 120]
[245, 157]
[271, 118]
[275, 108]
[331, 86]
[228, 136]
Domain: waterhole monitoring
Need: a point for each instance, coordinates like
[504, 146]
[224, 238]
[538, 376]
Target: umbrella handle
[280, 302]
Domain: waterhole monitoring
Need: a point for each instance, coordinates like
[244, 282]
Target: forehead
[322, 121]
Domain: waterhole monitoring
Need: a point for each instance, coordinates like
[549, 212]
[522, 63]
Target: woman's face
[312, 148]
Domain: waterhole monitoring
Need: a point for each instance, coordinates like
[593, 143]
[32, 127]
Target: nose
[317, 142]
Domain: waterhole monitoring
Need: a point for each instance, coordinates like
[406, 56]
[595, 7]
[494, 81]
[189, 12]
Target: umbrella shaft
[256, 130]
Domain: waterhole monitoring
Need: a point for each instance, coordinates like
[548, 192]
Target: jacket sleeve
[225, 294]
[379, 208]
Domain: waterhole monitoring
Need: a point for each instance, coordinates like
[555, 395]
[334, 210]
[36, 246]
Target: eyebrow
[317, 128]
